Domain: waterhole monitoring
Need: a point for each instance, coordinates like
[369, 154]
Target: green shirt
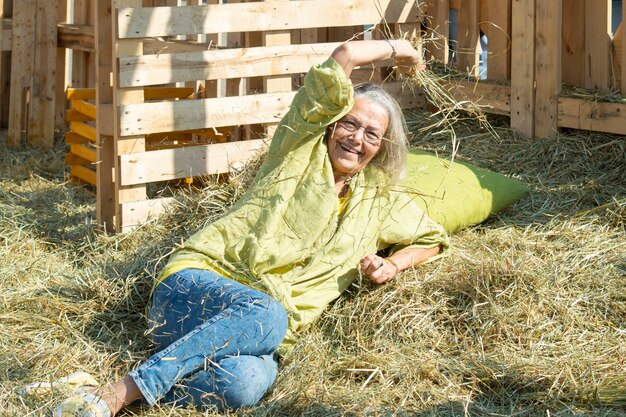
[285, 235]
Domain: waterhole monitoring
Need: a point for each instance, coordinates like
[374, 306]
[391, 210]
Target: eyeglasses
[351, 127]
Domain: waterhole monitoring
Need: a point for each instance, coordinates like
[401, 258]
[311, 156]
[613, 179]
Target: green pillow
[459, 195]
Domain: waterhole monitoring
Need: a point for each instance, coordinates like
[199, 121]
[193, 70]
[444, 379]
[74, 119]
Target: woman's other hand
[378, 269]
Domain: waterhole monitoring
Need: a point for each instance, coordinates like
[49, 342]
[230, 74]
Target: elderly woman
[236, 295]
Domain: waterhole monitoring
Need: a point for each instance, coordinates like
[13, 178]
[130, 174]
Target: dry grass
[526, 317]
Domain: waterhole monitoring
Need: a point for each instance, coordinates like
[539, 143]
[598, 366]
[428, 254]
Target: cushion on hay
[459, 195]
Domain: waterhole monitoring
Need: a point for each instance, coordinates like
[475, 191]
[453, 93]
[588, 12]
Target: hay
[527, 316]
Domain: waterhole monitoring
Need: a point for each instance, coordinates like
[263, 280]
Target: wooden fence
[244, 60]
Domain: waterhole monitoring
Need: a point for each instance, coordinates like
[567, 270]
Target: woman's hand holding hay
[382, 270]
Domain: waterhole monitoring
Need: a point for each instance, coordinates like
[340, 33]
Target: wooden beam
[490, 98]
[221, 64]
[522, 67]
[83, 173]
[170, 116]
[103, 94]
[76, 37]
[260, 16]
[597, 44]
[185, 162]
[5, 67]
[548, 42]
[61, 83]
[126, 96]
[623, 54]
[590, 115]
[137, 213]
[84, 152]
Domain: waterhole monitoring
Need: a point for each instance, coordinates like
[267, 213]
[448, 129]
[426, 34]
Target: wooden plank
[438, 34]
[5, 66]
[71, 159]
[616, 57]
[84, 152]
[81, 93]
[220, 64]
[61, 83]
[469, 32]
[137, 213]
[595, 116]
[598, 44]
[6, 26]
[83, 107]
[623, 47]
[490, 98]
[548, 42]
[126, 145]
[260, 16]
[84, 130]
[76, 37]
[171, 164]
[165, 93]
[137, 119]
[84, 174]
[80, 58]
[24, 20]
[103, 94]
[74, 116]
[72, 137]
[573, 50]
[522, 66]
[498, 28]
[172, 46]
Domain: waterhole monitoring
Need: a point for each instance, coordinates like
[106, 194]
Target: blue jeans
[215, 341]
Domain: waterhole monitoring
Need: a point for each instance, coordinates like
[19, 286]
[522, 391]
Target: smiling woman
[237, 294]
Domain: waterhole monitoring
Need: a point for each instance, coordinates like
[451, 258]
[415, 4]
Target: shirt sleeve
[325, 97]
[407, 226]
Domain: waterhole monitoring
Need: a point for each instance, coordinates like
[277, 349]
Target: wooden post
[125, 144]
[22, 61]
[105, 151]
[498, 30]
[276, 83]
[42, 90]
[623, 50]
[469, 33]
[61, 100]
[522, 66]
[5, 71]
[438, 34]
[547, 66]
[598, 44]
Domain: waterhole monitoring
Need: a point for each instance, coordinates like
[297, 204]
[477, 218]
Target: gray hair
[391, 158]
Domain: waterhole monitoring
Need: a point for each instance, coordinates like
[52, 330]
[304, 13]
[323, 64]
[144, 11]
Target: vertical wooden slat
[126, 144]
[573, 51]
[498, 30]
[438, 34]
[79, 58]
[597, 44]
[42, 92]
[61, 100]
[105, 151]
[5, 72]
[469, 32]
[547, 66]
[22, 49]
[1, 53]
[623, 50]
[522, 66]
[276, 83]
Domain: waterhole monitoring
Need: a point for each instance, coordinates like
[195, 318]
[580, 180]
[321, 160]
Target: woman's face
[357, 137]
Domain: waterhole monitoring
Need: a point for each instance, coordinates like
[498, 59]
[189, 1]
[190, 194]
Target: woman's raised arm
[355, 53]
